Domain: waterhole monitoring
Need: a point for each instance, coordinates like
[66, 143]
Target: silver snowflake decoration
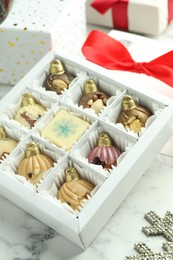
[159, 226]
[168, 246]
[145, 253]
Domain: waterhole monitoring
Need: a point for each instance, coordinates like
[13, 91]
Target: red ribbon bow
[119, 11]
[109, 53]
[103, 6]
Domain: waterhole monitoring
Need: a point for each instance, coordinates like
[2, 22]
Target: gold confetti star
[11, 44]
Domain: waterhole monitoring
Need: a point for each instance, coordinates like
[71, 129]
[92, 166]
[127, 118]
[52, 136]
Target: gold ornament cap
[128, 103]
[90, 86]
[104, 139]
[31, 150]
[2, 133]
[71, 174]
[56, 67]
[27, 100]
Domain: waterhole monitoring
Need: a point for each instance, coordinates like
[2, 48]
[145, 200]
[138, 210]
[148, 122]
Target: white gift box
[110, 189]
[32, 28]
[144, 16]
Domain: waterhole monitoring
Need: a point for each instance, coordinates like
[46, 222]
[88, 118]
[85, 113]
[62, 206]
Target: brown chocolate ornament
[93, 98]
[34, 164]
[132, 116]
[75, 189]
[59, 79]
[7, 145]
[29, 112]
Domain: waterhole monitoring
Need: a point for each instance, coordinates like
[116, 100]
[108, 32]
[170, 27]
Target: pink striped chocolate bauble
[105, 153]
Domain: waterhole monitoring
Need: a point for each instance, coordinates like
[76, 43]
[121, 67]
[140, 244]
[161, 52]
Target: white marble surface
[22, 237]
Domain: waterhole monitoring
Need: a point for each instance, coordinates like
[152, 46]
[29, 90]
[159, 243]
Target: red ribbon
[119, 11]
[103, 6]
[170, 11]
[111, 54]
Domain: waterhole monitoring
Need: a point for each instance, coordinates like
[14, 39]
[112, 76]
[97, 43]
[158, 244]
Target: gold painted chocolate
[132, 116]
[29, 112]
[7, 145]
[27, 100]
[104, 139]
[93, 98]
[59, 79]
[34, 164]
[2, 133]
[75, 189]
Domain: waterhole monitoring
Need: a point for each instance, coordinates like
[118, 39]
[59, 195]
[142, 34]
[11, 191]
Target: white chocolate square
[65, 129]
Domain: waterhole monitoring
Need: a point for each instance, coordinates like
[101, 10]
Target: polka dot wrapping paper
[34, 27]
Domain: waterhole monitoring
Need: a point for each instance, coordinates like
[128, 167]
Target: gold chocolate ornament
[7, 145]
[75, 189]
[132, 116]
[93, 98]
[29, 112]
[34, 164]
[59, 79]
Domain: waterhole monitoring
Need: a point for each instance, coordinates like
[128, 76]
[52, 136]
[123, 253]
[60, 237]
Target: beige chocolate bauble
[7, 145]
[33, 166]
[74, 190]
[29, 112]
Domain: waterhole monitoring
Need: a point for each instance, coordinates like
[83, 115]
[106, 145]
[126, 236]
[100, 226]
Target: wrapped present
[32, 28]
[145, 16]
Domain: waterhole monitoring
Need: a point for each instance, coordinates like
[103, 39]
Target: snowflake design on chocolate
[65, 128]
